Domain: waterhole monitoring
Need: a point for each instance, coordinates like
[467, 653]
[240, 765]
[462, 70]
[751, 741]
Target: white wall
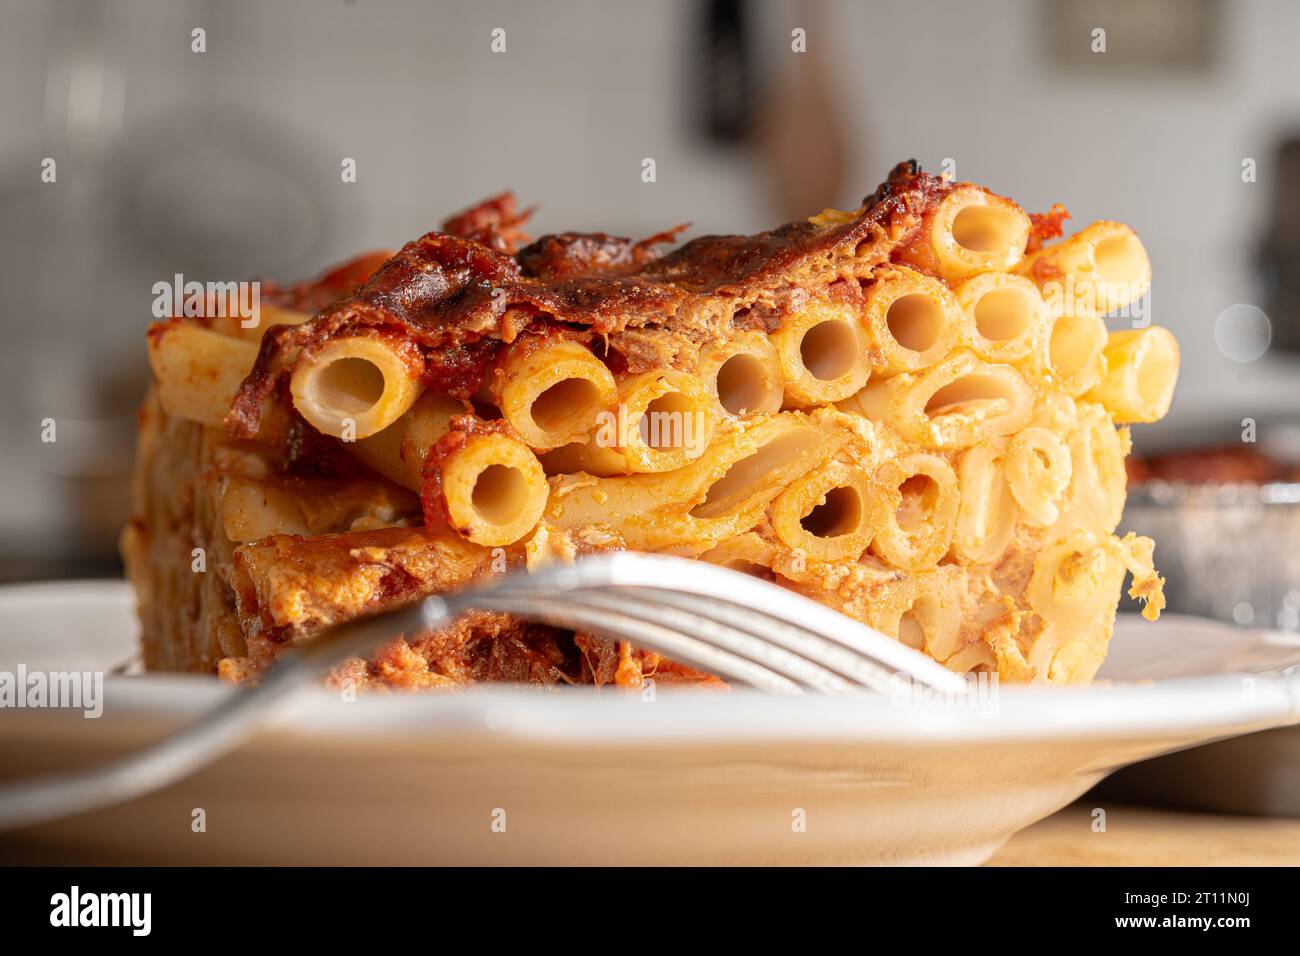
[435, 120]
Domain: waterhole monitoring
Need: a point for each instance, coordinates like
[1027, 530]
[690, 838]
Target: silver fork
[731, 624]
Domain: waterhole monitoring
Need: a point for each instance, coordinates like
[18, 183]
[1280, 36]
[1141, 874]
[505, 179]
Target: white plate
[517, 775]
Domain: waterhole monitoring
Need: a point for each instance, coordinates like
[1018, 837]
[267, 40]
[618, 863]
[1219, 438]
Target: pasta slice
[907, 411]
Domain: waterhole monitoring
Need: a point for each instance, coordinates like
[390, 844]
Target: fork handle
[214, 734]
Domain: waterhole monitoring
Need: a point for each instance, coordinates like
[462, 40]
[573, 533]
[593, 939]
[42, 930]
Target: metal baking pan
[1230, 552]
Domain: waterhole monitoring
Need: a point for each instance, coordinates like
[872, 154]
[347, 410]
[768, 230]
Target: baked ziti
[911, 411]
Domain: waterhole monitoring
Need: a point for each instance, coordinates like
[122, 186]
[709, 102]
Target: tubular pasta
[725, 492]
[495, 490]
[744, 374]
[1141, 371]
[1004, 316]
[553, 393]
[913, 320]
[828, 514]
[986, 517]
[352, 388]
[922, 611]
[1071, 355]
[1038, 471]
[959, 402]
[749, 553]
[920, 499]
[1096, 271]
[198, 370]
[907, 411]
[664, 420]
[975, 231]
[398, 452]
[823, 354]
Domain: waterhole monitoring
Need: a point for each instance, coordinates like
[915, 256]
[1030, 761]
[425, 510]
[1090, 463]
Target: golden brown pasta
[1038, 472]
[828, 515]
[823, 354]
[913, 320]
[494, 488]
[907, 411]
[1098, 270]
[986, 517]
[1003, 314]
[1141, 371]
[352, 388]
[749, 553]
[956, 403]
[744, 374]
[975, 231]
[398, 452]
[198, 370]
[919, 515]
[1072, 353]
[664, 420]
[554, 393]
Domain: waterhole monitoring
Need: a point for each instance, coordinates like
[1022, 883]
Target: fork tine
[570, 611]
[851, 663]
[677, 575]
[696, 618]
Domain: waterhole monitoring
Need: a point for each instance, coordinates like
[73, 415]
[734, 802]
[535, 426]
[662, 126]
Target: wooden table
[1142, 836]
[1134, 836]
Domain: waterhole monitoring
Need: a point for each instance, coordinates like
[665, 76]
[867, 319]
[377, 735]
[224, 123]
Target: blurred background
[1182, 119]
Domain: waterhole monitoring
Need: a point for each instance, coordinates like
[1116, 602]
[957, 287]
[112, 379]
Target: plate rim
[1204, 707]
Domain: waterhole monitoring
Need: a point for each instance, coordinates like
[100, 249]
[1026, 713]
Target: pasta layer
[911, 411]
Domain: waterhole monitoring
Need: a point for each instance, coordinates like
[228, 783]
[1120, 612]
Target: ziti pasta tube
[398, 452]
[823, 353]
[1141, 371]
[352, 388]
[974, 231]
[744, 374]
[957, 403]
[1098, 270]
[912, 319]
[552, 393]
[198, 370]
[494, 488]
[1003, 315]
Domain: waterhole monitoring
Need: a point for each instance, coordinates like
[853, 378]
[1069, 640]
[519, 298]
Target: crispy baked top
[461, 293]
